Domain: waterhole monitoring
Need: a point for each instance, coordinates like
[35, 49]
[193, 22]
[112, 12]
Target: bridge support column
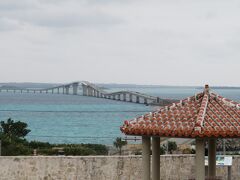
[94, 92]
[118, 97]
[130, 97]
[58, 90]
[124, 97]
[52, 91]
[75, 88]
[145, 101]
[67, 89]
[89, 91]
[98, 94]
[85, 91]
[137, 99]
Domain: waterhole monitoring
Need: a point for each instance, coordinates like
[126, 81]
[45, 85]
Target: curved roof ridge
[226, 101]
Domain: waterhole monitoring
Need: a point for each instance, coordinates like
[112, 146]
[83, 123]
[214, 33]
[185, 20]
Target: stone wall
[176, 167]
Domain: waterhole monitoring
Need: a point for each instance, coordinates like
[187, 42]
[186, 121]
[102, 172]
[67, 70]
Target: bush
[39, 145]
[78, 151]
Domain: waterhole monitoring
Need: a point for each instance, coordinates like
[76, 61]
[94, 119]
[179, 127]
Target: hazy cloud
[181, 42]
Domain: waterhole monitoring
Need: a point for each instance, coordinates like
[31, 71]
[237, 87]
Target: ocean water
[58, 118]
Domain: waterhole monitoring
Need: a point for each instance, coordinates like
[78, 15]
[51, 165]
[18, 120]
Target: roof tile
[205, 114]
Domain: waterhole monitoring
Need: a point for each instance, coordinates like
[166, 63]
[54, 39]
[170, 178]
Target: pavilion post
[156, 158]
[212, 158]
[146, 157]
[200, 159]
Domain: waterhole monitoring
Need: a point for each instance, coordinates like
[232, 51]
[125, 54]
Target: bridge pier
[137, 99]
[124, 97]
[145, 101]
[98, 94]
[75, 88]
[67, 89]
[52, 91]
[90, 92]
[118, 97]
[58, 91]
[130, 97]
[85, 91]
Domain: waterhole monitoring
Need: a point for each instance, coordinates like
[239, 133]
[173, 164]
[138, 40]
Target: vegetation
[118, 143]
[172, 146]
[12, 135]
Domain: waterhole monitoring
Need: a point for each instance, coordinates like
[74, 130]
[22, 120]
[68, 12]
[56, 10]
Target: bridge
[92, 90]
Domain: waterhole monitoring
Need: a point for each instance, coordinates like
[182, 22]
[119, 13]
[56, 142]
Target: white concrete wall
[176, 167]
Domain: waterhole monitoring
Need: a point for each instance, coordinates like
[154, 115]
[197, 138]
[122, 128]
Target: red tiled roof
[204, 115]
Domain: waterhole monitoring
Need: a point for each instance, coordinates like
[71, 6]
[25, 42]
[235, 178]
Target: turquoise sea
[58, 118]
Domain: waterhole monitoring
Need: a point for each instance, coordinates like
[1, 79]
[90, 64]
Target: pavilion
[205, 117]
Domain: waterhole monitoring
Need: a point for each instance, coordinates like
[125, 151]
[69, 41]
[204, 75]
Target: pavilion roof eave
[187, 137]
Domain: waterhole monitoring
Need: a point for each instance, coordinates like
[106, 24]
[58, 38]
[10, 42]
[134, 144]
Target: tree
[14, 130]
[118, 143]
[172, 146]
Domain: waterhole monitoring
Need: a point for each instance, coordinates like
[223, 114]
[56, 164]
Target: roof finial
[206, 90]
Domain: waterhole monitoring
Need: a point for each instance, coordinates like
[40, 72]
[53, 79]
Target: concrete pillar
[98, 94]
[75, 88]
[124, 97]
[130, 97]
[146, 157]
[85, 92]
[156, 158]
[58, 91]
[52, 91]
[137, 99]
[118, 97]
[114, 97]
[212, 158]
[63, 90]
[200, 159]
[145, 101]
[67, 89]
[89, 90]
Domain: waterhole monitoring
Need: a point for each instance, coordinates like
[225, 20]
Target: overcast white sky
[167, 42]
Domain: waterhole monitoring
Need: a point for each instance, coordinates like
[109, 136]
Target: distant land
[14, 85]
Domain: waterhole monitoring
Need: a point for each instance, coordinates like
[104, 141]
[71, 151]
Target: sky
[158, 42]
